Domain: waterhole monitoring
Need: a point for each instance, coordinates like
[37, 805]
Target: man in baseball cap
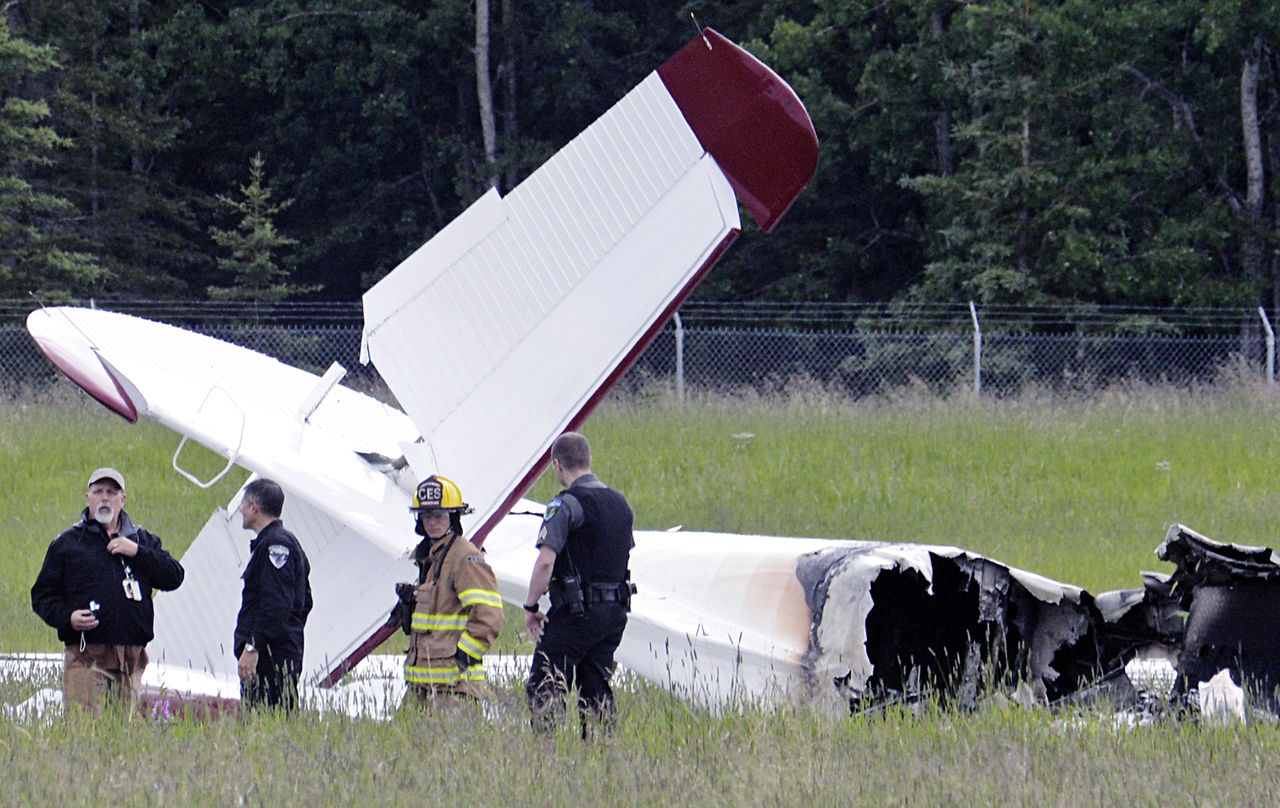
[95, 588]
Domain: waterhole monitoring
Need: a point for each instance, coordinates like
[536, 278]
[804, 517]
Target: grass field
[1081, 490]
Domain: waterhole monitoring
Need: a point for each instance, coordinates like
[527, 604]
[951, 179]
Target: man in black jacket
[274, 605]
[95, 588]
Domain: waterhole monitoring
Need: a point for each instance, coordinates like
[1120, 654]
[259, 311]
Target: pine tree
[256, 274]
[125, 68]
[31, 259]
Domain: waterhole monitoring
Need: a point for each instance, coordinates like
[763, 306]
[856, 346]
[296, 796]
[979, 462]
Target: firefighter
[456, 610]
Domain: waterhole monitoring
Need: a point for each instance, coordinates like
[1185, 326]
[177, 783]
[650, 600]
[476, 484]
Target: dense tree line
[1005, 151]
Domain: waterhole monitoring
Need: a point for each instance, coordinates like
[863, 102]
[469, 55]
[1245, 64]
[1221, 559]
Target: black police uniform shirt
[277, 594]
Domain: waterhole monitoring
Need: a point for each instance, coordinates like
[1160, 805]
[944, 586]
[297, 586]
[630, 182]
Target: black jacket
[78, 569]
[277, 594]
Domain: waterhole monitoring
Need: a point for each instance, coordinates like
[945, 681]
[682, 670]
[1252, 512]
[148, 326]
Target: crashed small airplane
[607, 238]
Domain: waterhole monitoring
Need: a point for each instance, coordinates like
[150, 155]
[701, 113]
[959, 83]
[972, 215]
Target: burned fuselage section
[1231, 597]
[895, 621]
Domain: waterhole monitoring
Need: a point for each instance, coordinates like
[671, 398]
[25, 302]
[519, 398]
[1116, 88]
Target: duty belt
[610, 593]
[620, 592]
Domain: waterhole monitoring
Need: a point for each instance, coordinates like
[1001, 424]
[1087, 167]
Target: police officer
[274, 604]
[456, 609]
[95, 588]
[584, 547]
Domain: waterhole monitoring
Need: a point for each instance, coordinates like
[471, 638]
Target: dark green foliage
[1005, 152]
[34, 255]
[111, 98]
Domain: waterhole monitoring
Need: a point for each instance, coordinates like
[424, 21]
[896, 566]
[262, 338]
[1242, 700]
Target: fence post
[679, 359]
[1271, 346]
[977, 350]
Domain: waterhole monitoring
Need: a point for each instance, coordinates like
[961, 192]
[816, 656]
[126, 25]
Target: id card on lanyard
[132, 589]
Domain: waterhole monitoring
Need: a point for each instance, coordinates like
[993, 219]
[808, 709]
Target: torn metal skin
[892, 622]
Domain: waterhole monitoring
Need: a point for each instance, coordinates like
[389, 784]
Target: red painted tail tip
[748, 119]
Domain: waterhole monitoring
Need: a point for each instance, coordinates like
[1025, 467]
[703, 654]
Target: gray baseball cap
[107, 473]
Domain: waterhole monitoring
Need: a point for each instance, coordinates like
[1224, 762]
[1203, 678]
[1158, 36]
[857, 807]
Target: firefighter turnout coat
[457, 615]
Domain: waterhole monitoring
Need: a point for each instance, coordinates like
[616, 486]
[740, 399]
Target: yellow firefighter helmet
[438, 492]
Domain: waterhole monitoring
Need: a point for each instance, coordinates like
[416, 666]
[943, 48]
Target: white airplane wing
[530, 305]
[718, 617]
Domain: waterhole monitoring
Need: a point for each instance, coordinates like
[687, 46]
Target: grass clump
[1001, 755]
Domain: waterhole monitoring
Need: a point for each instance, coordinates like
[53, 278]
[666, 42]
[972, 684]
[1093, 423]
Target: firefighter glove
[402, 612]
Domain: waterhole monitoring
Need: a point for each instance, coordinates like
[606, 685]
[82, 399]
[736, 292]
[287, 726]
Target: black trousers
[277, 682]
[576, 651]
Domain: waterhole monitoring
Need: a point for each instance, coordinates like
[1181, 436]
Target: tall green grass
[662, 753]
[1078, 489]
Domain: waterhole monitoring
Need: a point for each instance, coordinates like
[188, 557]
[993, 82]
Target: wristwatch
[532, 609]
[249, 649]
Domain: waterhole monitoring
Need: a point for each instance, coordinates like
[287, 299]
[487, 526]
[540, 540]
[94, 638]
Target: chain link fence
[862, 350]
[872, 363]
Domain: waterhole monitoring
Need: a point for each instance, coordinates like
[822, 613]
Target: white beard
[104, 516]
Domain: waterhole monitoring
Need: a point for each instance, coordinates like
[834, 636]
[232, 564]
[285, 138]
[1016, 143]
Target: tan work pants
[101, 672]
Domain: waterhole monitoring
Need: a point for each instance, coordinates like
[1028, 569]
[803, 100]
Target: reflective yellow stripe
[417, 675]
[480, 597]
[472, 646]
[438, 622]
[441, 674]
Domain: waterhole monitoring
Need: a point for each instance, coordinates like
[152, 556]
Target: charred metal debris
[901, 622]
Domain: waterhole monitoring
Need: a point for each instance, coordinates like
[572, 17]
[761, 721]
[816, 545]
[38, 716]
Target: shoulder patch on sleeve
[552, 507]
[278, 555]
[475, 559]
